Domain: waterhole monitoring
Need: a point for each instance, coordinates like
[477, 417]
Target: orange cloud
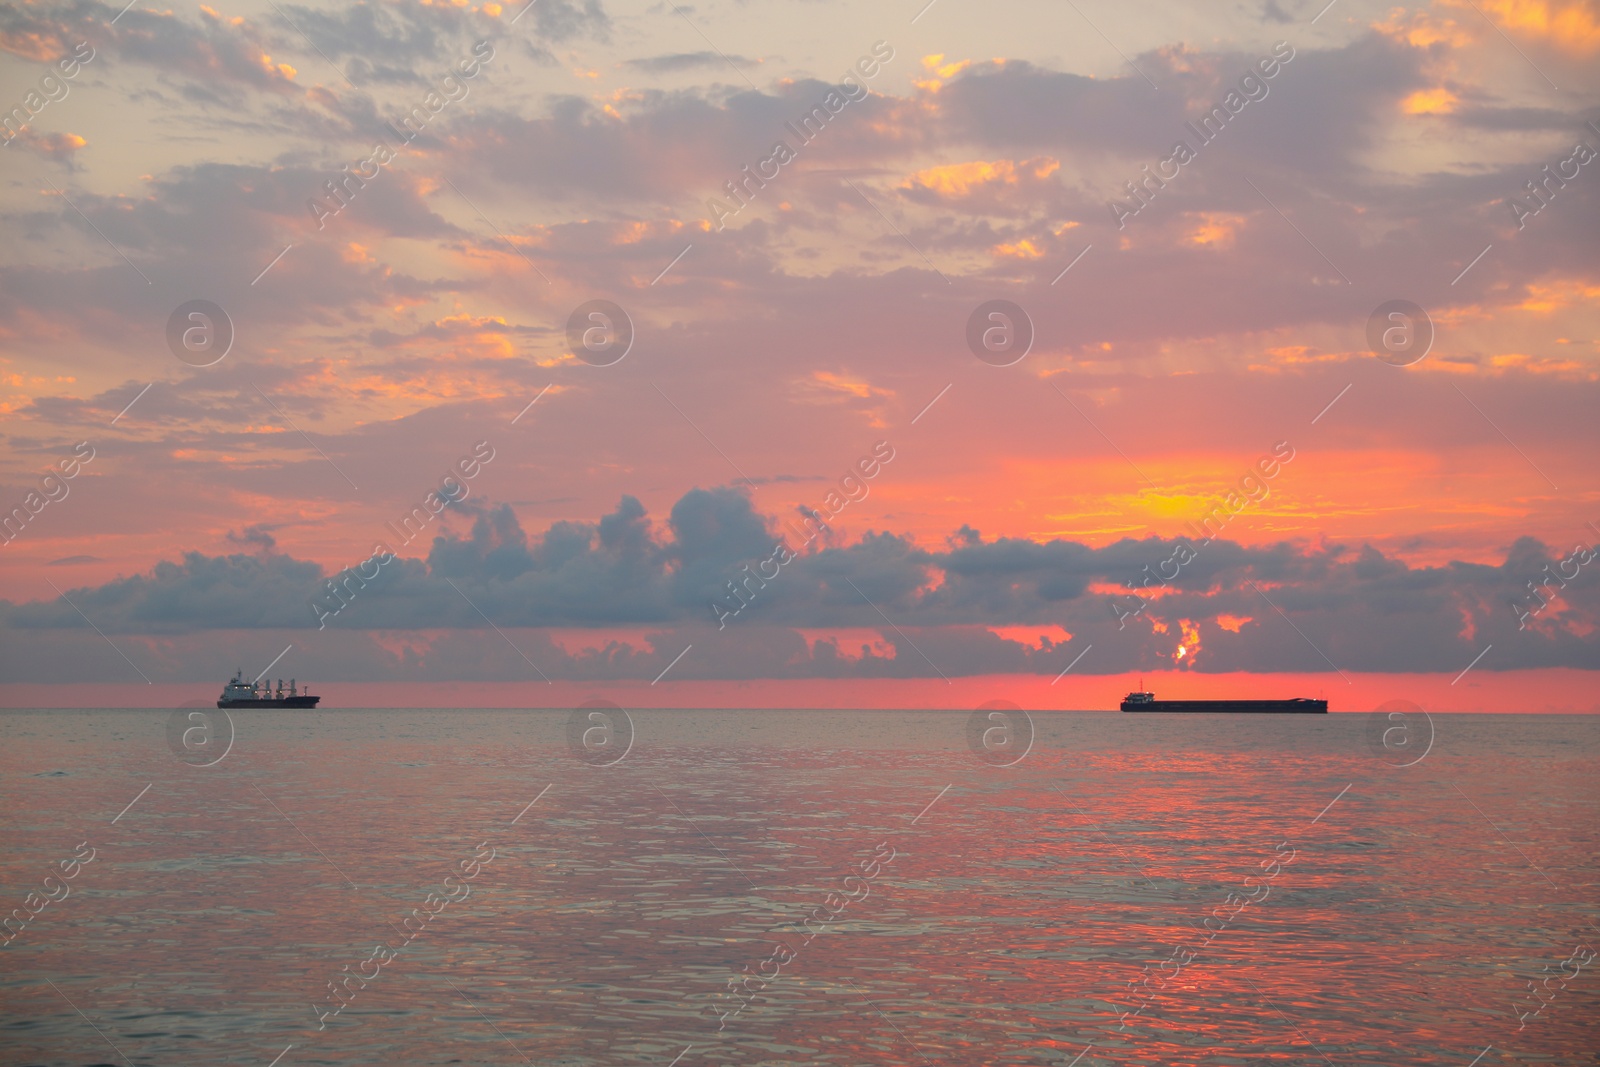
[1571, 25]
[1285, 355]
[827, 387]
[1422, 29]
[57, 146]
[961, 179]
[941, 71]
[1543, 299]
[839, 383]
[1439, 101]
[1189, 643]
[1531, 364]
[38, 47]
[1215, 230]
[1023, 249]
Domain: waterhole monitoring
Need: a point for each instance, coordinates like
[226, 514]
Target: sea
[600, 887]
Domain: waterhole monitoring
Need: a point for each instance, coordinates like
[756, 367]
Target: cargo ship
[242, 694]
[1294, 705]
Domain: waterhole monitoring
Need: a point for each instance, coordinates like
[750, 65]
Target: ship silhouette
[1146, 701]
[242, 694]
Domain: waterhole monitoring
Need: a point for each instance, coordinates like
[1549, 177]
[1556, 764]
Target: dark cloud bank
[1363, 610]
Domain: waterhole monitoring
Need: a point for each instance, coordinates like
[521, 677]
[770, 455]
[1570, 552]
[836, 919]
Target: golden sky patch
[1214, 230]
[839, 383]
[961, 179]
[1423, 28]
[1023, 249]
[1569, 25]
[1543, 299]
[1436, 101]
[941, 71]
[1533, 364]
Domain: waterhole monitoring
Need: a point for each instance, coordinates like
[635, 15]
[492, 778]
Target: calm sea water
[798, 887]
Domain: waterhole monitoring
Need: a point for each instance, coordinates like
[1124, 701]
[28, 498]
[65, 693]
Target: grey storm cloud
[1353, 608]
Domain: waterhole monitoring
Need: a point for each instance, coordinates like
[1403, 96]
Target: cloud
[675, 62]
[1361, 609]
[256, 535]
[233, 51]
[1228, 313]
[199, 592]
[56, 147]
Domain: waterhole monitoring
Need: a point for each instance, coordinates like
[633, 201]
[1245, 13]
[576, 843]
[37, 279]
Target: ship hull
[281, 702]
[1299, 706]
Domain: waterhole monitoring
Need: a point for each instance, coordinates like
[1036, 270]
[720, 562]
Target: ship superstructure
[239, 693]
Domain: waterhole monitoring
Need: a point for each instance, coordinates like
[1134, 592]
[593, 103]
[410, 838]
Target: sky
[801, 353]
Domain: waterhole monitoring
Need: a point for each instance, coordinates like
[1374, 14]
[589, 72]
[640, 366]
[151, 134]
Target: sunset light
[602, 534]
